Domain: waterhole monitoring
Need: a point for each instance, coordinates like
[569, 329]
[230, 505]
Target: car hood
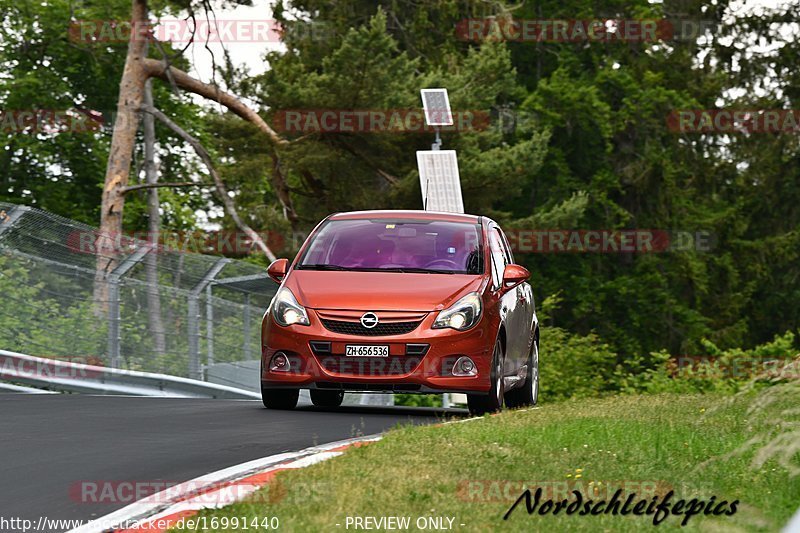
[379, 291]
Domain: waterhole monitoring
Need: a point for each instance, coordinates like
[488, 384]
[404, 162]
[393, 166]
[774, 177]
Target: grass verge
[472, 472]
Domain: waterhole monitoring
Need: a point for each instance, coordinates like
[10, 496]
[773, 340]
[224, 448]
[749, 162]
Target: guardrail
[8, 387]
[65, 376]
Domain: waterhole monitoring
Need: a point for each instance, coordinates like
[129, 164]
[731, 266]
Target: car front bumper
[419, 361]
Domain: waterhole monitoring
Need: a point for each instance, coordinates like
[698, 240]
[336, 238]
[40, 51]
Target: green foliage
[35, 323]
[725, 371]
[579, 366]
[574, 366]
[583, 144]
[418, 400]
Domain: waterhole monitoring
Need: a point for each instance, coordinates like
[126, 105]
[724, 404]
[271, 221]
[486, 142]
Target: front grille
[394, 365]
[383, 328]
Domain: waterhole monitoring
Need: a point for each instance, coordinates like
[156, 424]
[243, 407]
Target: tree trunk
[126, 123]
[138, 69]
[159, 70]
[222, 191]
[153, 228]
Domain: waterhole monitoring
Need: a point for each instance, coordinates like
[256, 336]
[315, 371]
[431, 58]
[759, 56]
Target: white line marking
[157, 504]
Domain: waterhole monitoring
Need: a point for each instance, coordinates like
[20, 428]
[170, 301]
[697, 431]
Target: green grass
[663, 441]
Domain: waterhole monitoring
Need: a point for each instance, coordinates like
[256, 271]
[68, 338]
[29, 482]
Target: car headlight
[462, 315]
[286, 311]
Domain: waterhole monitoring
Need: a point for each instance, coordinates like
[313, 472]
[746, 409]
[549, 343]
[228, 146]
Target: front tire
[480, 404]
[528, 394]
[280, 398]
[327, 398]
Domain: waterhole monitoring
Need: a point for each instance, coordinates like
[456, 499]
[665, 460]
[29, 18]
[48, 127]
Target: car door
[523, 321]
[507, 301]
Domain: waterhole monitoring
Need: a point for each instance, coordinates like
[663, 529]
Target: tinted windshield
[396, 245]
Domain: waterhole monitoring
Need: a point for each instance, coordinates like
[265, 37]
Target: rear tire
[327, 398]
[280, 398]
[480, 404]
[528, 393]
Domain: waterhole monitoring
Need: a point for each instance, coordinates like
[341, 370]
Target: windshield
[396, 246]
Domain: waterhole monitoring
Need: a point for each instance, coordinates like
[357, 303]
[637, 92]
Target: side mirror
[277, 270]
[513, 275]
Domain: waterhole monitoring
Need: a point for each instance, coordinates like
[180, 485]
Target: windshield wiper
[413, 270]
[321, 266]
[404, 270]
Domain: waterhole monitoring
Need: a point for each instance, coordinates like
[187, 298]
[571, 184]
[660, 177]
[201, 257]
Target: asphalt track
[50, 444]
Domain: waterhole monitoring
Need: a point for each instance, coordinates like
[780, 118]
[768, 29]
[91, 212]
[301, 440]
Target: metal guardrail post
[193, 317]
[246, 327]
[193, 313]
[114, 337]
[209, 326]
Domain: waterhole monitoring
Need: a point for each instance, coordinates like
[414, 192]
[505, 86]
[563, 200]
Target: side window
[506, 247]
[498, 257]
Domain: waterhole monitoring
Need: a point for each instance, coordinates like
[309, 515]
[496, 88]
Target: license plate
[360, 350]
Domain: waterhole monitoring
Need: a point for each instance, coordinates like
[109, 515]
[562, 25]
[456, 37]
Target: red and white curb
[161, 511]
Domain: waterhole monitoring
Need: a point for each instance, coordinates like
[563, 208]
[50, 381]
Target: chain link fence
[155, 308]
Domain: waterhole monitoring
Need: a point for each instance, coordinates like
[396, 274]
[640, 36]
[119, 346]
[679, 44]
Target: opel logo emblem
[369, 320]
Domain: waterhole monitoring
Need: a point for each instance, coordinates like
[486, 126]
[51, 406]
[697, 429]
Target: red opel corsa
[401, 301]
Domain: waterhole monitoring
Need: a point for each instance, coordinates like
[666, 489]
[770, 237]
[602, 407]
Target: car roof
[409, 214]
